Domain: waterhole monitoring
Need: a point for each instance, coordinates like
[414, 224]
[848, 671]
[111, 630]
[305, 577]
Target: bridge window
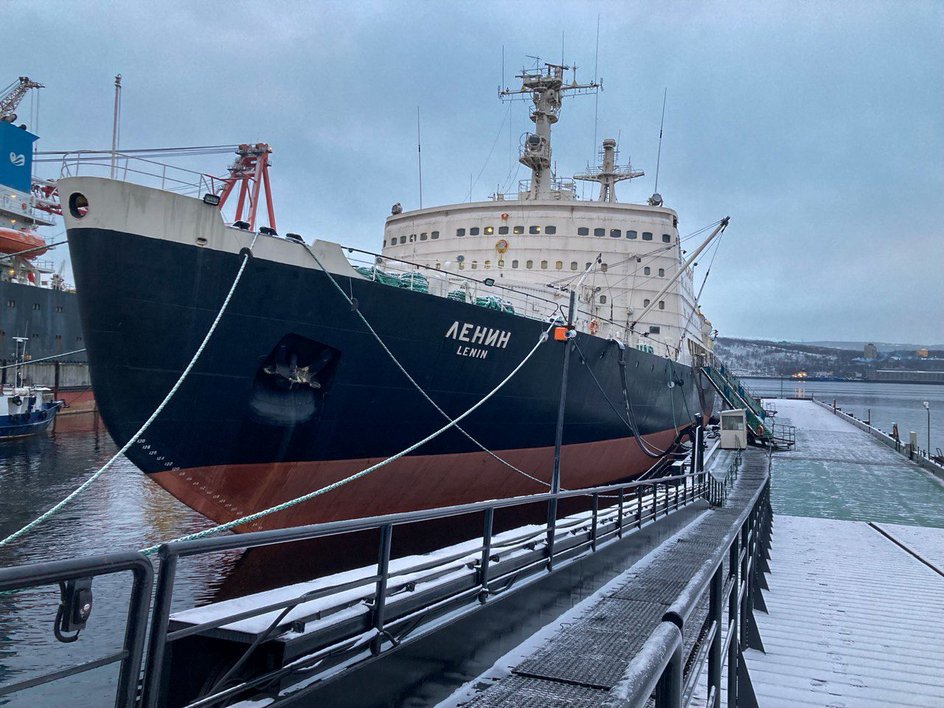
[631, 234]
[646, 235]
[666, 238]
[474, 231]
[583, 231]
[653, 329]
[489, 230]
[518, 230]
[550, 230]
[534, 229]
[615, 233]
[434, 235]
[599, 232]
[503, 230]
[460, 232]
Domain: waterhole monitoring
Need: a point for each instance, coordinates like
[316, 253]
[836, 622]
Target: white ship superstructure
[625, 260]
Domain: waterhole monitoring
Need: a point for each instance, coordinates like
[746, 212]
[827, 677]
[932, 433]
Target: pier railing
[280, 645]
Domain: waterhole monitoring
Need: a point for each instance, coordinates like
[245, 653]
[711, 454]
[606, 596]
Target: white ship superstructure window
[543, 265]
[604, 267]
[534, 229]
[460, 232]
[501, 263]
[666, 238]
[647, 270]
[475, 265]
[661, 272]
[573, 265]
[599, 232]
[550, 230]
[615, 233]
[529, 265]
[489, 230]
[488, 264]
[559, 265]
[661, 304]
[434, 235]
[653, 329]
[474, 231]
[403, 239]
[645, 303]
[646, 235]
[631, 234]
[412, 238]
[424, 236]
[503, 230]
[518, 230]
[583, 231]
[514, 264]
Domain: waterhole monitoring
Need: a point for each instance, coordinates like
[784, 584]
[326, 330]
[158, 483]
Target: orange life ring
[504, 216]
[501, 246]
[593, 327]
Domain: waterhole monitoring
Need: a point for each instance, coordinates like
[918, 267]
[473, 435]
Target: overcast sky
[818, 127]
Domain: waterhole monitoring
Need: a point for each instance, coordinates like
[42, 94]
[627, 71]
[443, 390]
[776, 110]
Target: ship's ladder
[736, 395]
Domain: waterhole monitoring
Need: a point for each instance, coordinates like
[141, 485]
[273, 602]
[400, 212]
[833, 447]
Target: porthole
[666, 238]
[503, 230]
[78, 205]
[518, 230]
[631, 234]
[489, 230]
[646, 235]
[550, 230]
[583, 231]
[460, 232]
[434, 235]
[616, 233]
[599, 232]
[534, 230]
[474, 231]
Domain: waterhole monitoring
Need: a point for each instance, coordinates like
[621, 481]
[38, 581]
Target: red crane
[251, 173]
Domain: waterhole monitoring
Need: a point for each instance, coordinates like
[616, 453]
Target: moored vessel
[328, 360]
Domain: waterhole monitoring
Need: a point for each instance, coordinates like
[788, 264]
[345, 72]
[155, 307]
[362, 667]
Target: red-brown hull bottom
[229, 492]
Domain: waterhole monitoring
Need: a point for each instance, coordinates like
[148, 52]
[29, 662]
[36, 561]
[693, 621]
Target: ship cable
[349, 297]
[363, 473]
[247, 255]
[654, 453]
[45, 358]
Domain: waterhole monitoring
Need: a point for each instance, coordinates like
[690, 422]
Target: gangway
[761, 429]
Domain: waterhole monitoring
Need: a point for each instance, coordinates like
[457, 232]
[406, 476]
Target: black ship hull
[293, 392]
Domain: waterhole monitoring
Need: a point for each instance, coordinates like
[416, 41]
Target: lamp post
[927, 407]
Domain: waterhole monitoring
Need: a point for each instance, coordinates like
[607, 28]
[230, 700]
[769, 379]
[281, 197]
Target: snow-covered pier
[854, 607]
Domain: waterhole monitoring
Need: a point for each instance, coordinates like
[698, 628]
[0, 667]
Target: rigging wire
[491, 149]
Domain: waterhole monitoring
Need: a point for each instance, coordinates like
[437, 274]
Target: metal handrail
[43, 574]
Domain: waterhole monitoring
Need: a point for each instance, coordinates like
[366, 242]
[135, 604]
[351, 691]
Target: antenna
[659, 154]
[419, 154]
[115, 123]
[596, 99]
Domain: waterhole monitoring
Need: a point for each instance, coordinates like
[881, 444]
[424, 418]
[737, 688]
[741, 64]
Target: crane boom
[12, 96]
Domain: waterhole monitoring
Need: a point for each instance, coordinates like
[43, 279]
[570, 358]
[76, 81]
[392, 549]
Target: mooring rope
[357, 475]
[357, 311]
[35, 522]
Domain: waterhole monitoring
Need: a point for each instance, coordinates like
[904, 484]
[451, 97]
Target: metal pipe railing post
[153, 674]
[669, 688]
[716, 613]
[486, 552]
[639, 507]
[733, 624]
[593, 525]
[380, 595]
[619, 514]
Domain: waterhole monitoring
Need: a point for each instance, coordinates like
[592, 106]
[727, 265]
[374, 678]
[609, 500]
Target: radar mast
[546, 87]
[608, 174]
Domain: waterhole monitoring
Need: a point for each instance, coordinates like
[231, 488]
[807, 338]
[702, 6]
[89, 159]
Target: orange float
[13, 241]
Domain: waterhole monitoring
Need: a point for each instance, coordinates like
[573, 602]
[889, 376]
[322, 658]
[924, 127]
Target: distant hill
[881, 346]
[758, 357]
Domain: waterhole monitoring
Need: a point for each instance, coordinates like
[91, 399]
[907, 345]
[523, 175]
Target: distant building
[905, 376]
[871, 351]
[922, 352]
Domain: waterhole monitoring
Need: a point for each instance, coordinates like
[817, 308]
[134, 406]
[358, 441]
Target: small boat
[25, 410]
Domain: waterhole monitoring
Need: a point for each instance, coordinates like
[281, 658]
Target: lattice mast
[546, 87]
[12, 95]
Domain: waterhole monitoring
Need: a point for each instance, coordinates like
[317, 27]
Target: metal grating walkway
[583, 660]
